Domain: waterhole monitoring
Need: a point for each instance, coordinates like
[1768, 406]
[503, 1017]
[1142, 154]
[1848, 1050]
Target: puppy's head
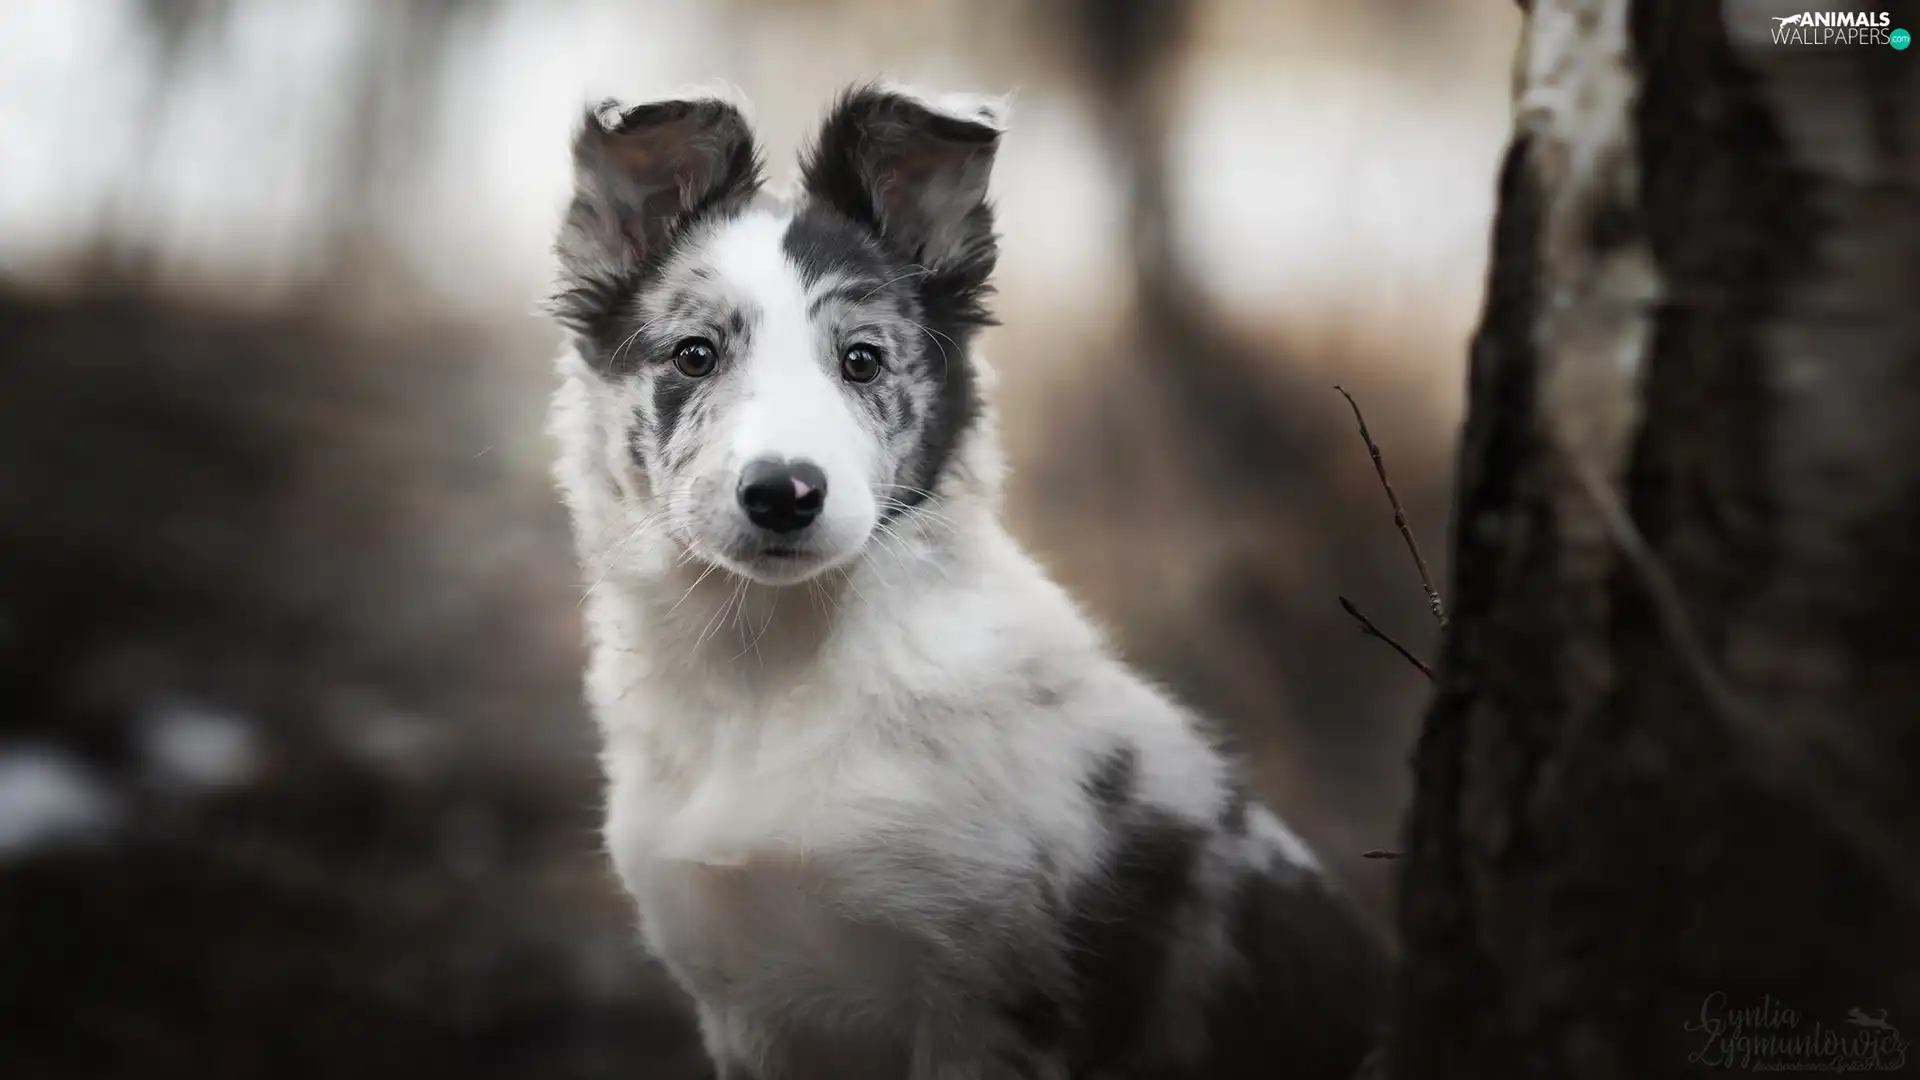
[785, 375]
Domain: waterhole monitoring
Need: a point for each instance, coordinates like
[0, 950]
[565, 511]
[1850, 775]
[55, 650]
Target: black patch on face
[823, 243]
[1119, 933]
[892, 179]
[1112, 782]
[671, 393]
[616, 344]
[946, 337]
[886, 402]
[677, 399]
[851, 293]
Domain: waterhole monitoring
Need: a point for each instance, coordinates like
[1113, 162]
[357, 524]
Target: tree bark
[1667, 814]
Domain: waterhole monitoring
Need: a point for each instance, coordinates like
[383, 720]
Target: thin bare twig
[1399, 516]
[1381, 853]
[1367, 628]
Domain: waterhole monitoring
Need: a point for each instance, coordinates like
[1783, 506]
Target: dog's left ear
[641, 175]
[915, 173]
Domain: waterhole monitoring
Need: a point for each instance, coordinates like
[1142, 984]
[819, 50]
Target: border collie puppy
[887, 804]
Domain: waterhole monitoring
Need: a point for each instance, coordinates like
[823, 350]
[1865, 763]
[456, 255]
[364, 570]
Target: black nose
[783, 496]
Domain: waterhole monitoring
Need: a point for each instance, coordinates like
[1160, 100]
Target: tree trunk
[1668, 793]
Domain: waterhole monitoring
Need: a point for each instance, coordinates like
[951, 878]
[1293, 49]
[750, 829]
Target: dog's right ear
[913, 171]
[641, 175]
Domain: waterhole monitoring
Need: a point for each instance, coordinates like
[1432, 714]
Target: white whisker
[704, 574]
[914, 270]
[631, 338]
[945, 362]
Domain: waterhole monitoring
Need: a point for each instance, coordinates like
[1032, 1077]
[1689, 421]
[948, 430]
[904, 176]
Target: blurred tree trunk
[1669, 787]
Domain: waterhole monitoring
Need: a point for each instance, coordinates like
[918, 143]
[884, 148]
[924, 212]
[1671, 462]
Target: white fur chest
[736, 842]
[776, 860]
[734, 856]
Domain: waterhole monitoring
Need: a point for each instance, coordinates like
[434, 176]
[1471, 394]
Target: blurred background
[294, 773]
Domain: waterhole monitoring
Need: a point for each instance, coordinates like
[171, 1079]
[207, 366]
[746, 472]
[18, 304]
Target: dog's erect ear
[640, 175]
[915, 173]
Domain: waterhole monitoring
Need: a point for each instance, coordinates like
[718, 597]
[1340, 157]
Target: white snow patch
[193, 747]
[48, 798]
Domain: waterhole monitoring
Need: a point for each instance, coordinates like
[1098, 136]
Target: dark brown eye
[860, 363]
[695, 357]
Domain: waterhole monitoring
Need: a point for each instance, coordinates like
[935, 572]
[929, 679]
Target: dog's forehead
[742, 259]
[830, 249]
[779, 258]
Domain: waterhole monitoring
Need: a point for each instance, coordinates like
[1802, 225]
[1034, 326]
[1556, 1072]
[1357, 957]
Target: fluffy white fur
[857, 811]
